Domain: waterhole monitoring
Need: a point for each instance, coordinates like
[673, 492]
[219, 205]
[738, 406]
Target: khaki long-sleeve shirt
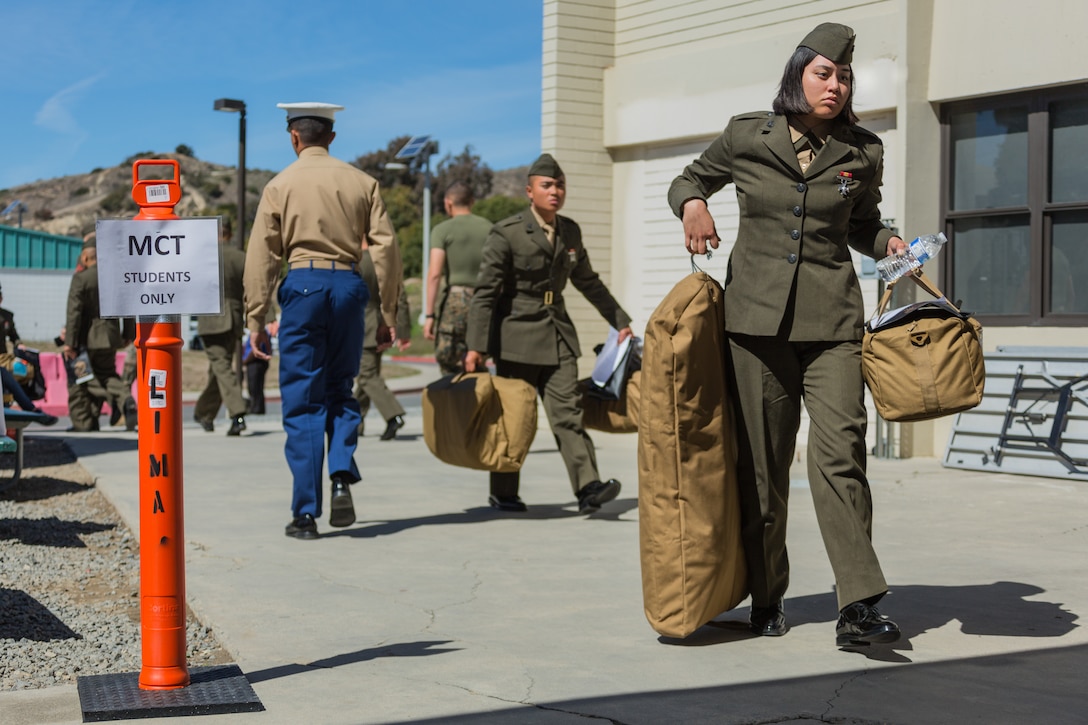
[319, 209]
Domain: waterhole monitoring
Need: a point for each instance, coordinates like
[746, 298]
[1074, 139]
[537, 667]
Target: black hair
[460, 194]
[311, 130]
[791, 100]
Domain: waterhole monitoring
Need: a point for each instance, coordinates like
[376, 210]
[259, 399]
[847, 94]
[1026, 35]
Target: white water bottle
[920, 251]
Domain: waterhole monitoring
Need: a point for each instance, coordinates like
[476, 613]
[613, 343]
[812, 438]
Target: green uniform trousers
[770, 375]
[223, 384]
[370, 388]
[85, 401]
[558, 388]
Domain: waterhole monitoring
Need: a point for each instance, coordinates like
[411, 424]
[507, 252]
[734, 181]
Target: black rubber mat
[211, 691]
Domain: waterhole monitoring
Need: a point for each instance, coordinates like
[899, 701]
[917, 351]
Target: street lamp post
[231, 105]
[423, 146]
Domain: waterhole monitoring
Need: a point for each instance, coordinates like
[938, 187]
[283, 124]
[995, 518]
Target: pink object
[55, 401]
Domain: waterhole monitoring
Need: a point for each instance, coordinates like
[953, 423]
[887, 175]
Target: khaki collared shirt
[319, 208]
[549, 230]
[808, 142]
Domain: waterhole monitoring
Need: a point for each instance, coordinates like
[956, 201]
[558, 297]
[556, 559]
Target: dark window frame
[1041, 212]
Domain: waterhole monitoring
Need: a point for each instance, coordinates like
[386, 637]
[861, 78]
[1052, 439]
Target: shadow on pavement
[1038, 686]
[484, 514]
[403, 649]
[1001, 609]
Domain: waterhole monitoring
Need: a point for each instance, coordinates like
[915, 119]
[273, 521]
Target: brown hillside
[69, 205]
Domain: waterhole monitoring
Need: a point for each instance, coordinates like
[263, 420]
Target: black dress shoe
[45, 418]
[206, 423]
[768, 621]
[595, 493]
[237, 425]
[115, 414]
[303, 527]
[341, 507]
[130, 413]
[861, 625]
[507, 503]
[392, 426]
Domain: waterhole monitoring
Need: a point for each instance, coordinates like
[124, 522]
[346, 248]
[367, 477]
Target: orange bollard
[162, 520]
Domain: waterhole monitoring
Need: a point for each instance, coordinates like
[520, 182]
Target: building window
[1015, 207]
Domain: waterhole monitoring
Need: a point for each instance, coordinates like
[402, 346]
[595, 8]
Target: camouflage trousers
[449, 342]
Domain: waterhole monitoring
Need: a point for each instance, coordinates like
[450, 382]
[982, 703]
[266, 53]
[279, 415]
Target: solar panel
[413, 148]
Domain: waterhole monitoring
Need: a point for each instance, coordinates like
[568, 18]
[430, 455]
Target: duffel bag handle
[919, 278]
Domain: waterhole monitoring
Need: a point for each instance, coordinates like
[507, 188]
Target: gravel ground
[69, 578]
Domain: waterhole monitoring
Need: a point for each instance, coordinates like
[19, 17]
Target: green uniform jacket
[374, 304]
[232, 318]
[7, 330]
[794, 226]
[85, 328]
[510, 316]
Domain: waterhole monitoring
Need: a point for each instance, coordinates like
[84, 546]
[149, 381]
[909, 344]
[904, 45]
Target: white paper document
[610, 357]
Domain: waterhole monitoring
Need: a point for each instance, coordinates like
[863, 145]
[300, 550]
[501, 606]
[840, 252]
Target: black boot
[393, 425]
[237, 425]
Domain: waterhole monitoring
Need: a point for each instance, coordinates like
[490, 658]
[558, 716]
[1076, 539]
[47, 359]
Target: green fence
[28, 249]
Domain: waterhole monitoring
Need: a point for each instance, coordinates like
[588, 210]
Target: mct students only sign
[158, 267]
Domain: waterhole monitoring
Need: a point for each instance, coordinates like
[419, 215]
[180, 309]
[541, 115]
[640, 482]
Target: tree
[185, 150]
[466, 167]
[495, 208]
[375, 163]
[402, 192]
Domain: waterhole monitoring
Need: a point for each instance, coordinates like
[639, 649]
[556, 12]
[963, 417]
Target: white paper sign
[158, 267]
[156, 389]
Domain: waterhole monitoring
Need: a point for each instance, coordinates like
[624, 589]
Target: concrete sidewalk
[434, 608]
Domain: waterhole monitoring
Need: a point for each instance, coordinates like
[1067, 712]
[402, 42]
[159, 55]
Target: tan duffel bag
[613, 416]
[924, 360]
[693, 566]
[480, 421]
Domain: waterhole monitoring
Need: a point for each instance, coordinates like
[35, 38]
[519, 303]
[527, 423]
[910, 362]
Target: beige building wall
[578, 46]
[670, 74]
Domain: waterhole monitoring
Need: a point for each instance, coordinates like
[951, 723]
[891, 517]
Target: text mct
[157, 245]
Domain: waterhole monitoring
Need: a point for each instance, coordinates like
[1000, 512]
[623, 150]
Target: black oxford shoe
[507, 503]
[392, 426]
[205, 423]
[341, 507]
[861, 625]
[595, 493]
[237, 425]
[303, 527]
[768, 621]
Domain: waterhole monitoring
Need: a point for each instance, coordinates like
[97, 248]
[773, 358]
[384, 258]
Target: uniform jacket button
[797, 211]
[792, 259]
[801, 187]
[795, 235]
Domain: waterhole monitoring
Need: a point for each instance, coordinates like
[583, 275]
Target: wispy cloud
[56, 113]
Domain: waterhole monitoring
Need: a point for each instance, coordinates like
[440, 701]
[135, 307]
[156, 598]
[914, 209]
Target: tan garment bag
[475, 420]
[923, 360]
[693, 565]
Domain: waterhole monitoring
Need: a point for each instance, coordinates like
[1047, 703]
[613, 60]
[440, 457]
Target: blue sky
[89, 83]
